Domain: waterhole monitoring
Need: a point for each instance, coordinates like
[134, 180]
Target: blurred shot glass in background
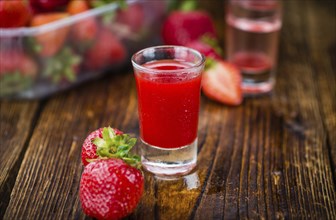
[253, 28]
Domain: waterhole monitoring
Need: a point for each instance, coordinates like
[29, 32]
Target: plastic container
[36, 62]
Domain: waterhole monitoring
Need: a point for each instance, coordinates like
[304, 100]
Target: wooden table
[270, 158]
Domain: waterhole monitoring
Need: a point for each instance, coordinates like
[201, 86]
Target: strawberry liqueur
[179, 94]
[168, 89]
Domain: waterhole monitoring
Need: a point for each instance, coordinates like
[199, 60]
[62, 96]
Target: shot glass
[168, 81]
[252, 34]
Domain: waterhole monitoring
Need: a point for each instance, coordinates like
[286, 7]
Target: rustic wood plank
[307, 167]
[16, 124]
[281, 157]
[322, 46]
[268, 158]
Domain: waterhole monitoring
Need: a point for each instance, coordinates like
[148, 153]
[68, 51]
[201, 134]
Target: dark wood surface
[272, 157]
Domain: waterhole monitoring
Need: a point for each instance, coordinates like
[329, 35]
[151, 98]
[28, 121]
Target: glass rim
[197, 65]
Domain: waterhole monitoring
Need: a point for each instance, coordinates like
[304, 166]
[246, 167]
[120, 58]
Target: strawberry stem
[212, 42]
[209, 63]
[14, 82]
[62, 66]
[113, 145]
[189, 5]
[186, 5]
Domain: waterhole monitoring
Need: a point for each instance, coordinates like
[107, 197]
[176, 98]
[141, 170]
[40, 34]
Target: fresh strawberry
[51, 41]
[84, 31]
[110, 189]
[221, 82]
[183, 27]
[208, 46]
[111, 184]
[63, 67]
[16, 61]
[77, 6]
[47, 5]
[107, 50]
[89, 149]
[132, 16]
[17, 72]
[14, 13]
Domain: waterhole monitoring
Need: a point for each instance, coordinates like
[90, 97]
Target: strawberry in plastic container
[17, 72]
[14, 13]
[40, 6]
[84, 32]
[107, 50]
[50, 41]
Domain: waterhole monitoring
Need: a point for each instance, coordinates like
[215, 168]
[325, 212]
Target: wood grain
[273, 157]
[322, 47]
[16, 124]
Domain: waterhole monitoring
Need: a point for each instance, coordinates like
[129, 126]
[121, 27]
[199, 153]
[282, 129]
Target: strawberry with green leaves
[83, 32]
[17, 71]
[207, 45]
[112, 184]
[53, 40]
[89, 149]
[63, 67]
[132, 16]
[107, 50]
[186, 25]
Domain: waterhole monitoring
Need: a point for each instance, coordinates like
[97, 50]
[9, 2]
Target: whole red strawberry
[14, 13]
[132, 16]
[112, 184]
[52, 41]
[182, 27]
[18, 71]
[89, 149]
[107, 50]
[17, 61]
[110, 189]
[47, 5]
[208, 46]
[84, 31]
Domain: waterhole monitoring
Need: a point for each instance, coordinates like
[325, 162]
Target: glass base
[258, 83]
[255, 89]
[169, 161]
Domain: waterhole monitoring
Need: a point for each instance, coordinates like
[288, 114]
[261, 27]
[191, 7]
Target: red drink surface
[168, 104]
[252, 62]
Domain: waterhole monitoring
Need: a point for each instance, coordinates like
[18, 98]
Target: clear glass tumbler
[252, 34]
[168, 80]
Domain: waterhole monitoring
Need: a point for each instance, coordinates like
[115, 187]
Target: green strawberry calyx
[62, 66]
[113, 145]
[100, 3]
[209, 63]
[212, 42]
